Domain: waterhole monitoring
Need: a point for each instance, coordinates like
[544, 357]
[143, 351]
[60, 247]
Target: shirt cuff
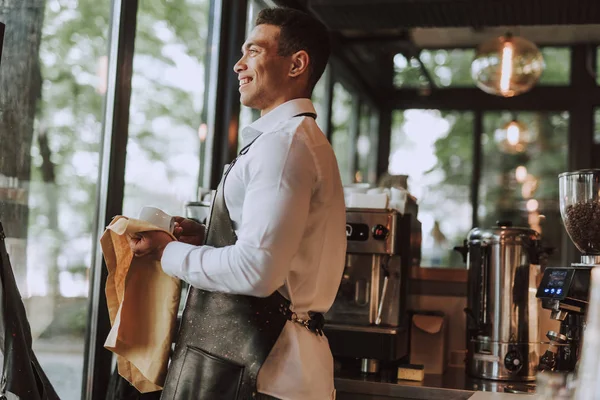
[173, 258]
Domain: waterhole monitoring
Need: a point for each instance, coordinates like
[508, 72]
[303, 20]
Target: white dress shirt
[286, 202]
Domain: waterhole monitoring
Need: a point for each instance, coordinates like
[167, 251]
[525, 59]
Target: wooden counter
[453, 385]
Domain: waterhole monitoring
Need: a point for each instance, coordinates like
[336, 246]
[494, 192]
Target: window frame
[427, 75]
[227, 22]
[580, 99]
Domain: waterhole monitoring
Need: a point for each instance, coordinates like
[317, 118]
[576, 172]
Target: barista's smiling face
[263, 74]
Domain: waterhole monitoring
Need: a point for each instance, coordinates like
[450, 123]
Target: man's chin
[247, 101]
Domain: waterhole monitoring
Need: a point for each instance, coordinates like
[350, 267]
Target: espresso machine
[565, 290]
[367, 323]
[502, 312]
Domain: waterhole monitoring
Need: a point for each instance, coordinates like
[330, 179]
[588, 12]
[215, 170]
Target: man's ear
[300, 62]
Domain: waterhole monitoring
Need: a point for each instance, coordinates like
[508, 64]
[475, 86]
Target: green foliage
[449, 67]
[597, 125]
[446, 67]
[500, 195]
[341, 135]
[70, 319]
[453, 68]
[408, 73]
[455, 150]
[558, 66]
[74, 59]
[598, 66]
[503, 197]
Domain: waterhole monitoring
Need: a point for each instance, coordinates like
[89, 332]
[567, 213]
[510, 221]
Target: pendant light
[507, 65]
[514, 137]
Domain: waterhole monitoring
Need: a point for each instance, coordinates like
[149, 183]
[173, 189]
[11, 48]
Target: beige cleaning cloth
[142, 305]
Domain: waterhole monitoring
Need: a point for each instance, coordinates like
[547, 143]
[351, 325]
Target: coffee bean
[582, 222]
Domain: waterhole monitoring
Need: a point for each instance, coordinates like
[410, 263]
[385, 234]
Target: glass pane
[407, 73]
[248, 115]
[449, 67]
[558, 66]
[341, 135]
[254, 7]
[435, 149]
[319, 100]
[366, 146]
[452, 68]
[598, 65]
[597, 126]
[520, 183]
[446, 68]
[50, 129]
[167, 129]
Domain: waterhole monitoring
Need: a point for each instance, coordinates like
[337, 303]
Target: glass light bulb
[513, 133]
[521, 173]
[532, 205]
[514, 137]
[506, 71]
[507, 66]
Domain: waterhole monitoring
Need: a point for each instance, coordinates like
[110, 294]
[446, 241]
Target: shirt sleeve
[280, 176]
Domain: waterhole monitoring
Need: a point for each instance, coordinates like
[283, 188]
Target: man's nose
[239, 66]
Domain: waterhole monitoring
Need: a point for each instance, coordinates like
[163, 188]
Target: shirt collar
[280, 113]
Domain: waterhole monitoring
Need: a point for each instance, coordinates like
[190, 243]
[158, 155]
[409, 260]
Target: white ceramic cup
[157, 217]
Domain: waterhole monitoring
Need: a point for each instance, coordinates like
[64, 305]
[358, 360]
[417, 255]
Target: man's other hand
[151, 243]
[189, 231]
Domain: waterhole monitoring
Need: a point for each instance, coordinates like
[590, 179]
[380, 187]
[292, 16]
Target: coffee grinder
[565, 290]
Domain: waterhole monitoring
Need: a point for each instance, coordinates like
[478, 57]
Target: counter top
[453, 385]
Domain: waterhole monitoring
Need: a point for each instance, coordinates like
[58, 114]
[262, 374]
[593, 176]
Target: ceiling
[375, 16]
[369, 32]
[539, 34]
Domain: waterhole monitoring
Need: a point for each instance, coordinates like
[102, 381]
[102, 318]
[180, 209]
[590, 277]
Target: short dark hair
[300, 31]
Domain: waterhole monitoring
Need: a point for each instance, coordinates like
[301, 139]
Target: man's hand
[189, 231]
[151, 243]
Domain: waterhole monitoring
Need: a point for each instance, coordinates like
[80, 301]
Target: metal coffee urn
[502, 309]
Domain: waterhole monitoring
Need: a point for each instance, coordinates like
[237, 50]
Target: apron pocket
[207, 377]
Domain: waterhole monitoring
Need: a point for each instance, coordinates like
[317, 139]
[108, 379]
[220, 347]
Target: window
[50, 131]
[319, 99]
[449, 67]
[452, 68]
[597, 126]
[446, 68]
[521, 184]
[408, 73]
[598, 65]
[248, 115]
[558, 66]
[341, 137]
[366, 146]
[167, 131]
[435, 150]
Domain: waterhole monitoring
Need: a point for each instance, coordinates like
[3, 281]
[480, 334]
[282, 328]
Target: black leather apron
[22, 374]
[223, 339]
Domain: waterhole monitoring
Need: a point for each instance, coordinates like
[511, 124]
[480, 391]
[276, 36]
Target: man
[283, 199]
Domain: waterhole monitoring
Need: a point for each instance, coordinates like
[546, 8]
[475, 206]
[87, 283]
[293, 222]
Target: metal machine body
[367, 319]
[565, 290]
[502, 310]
